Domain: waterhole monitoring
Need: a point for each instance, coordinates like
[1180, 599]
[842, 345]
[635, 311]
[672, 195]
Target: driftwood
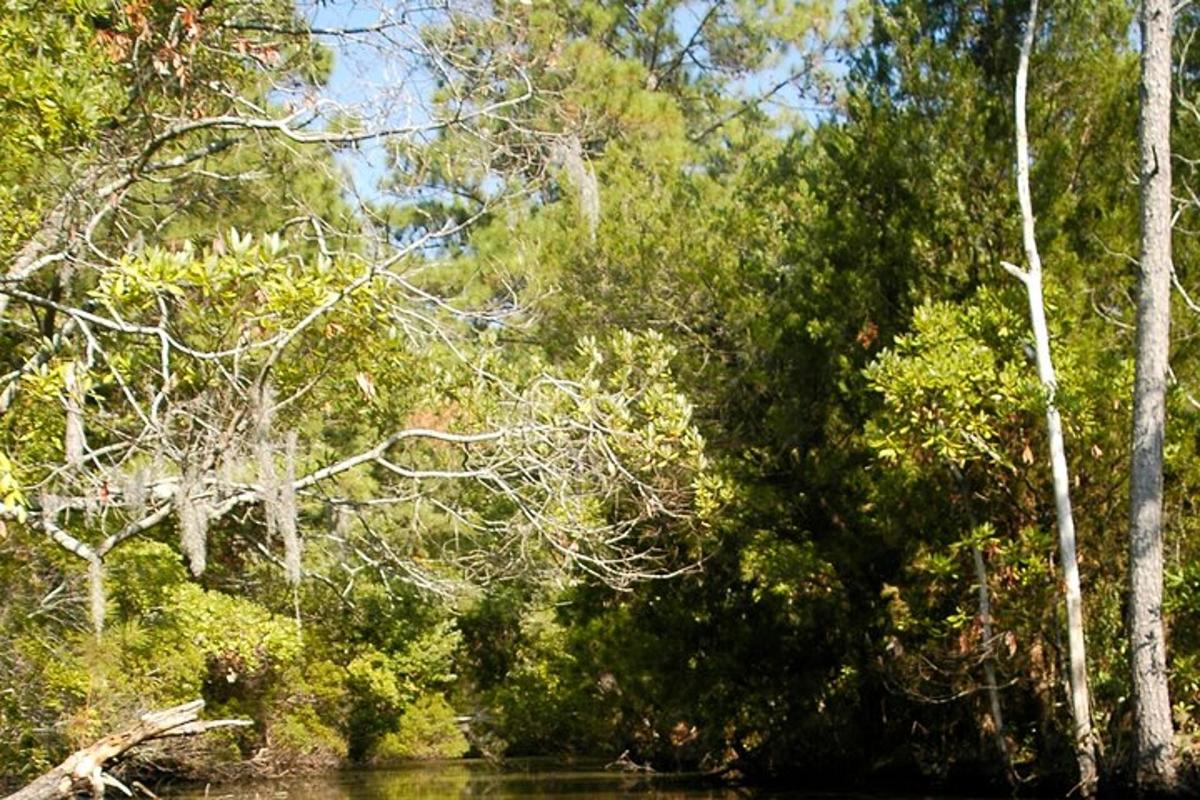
[626, 764]
[84, 769]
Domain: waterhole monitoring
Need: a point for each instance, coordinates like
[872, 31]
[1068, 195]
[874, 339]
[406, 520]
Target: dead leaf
[867, 336]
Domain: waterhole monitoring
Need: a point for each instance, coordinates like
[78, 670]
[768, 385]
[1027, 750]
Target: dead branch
[84, 770]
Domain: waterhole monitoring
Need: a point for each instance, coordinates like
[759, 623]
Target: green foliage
[12, 499]
[238, 636]
[384, 687]
[57, 88]
[145, 578]
[544, 701]
[950, 385]
[428, 729]
[305, 736]
[790, 571]
[776, 354]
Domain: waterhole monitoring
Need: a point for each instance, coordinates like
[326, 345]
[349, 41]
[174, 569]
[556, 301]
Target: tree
[596, 293]
[838, 234]
[1155, 756]
[210, 348]
[950, 388]
[171, 361]
[1031, 277]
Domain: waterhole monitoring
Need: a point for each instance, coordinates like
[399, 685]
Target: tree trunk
[84, 769]
[1155, 767]
[1085, 745]
[989, 662]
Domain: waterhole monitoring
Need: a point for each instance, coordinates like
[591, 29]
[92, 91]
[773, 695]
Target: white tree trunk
[1085, 746]
[1152, 706]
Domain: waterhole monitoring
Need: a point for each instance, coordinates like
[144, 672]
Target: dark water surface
[466, 779]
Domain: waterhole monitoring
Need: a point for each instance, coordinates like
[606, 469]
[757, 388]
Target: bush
[427, 730]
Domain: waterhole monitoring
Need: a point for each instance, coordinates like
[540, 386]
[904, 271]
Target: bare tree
[1031, 277]
[1155, 768]
[188, 429]
[582, 472]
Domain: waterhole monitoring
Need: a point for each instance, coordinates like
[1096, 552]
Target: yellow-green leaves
[56, 85]
[788, 571]
[240, 635]
[12, 499]
[954, 387]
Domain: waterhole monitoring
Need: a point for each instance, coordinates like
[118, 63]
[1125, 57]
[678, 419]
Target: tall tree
[1031, 276]
[1155, 755]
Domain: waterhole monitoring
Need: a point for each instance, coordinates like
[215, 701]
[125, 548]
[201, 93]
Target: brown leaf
[867, 336]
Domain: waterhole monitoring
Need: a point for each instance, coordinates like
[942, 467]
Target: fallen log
[84, 770]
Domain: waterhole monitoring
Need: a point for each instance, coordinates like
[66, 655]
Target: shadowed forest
[783, 390]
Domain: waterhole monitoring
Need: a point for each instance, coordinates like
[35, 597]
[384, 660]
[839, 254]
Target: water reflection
[471, 779]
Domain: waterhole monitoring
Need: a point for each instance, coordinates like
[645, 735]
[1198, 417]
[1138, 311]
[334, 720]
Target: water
[469, 779]
[435, 781]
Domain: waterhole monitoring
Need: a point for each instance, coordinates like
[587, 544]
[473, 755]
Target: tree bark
[84, 769]
[1081, 713]
[1155, 767]
[989, 662]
